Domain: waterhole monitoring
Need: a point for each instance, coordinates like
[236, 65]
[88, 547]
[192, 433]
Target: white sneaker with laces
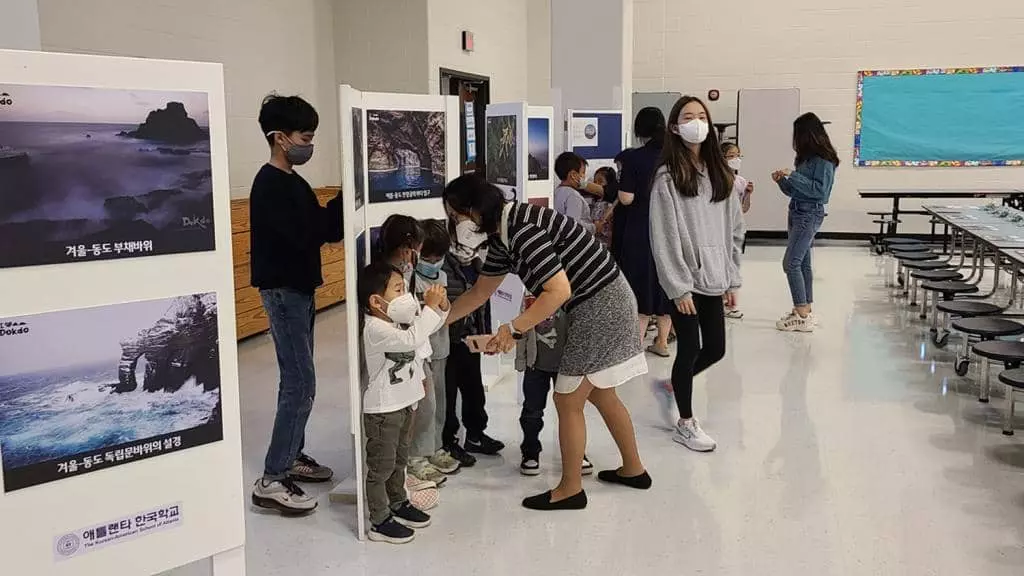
[423, 470]
[690, 434]
[795, 323]
[733, 314]
[283, 496]
[444, 462]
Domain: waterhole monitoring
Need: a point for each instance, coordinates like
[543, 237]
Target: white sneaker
[423, 470]
[283, 496]
[690, 434]
[444, 462]
[795, 323]
[588, 466]
[733, 314]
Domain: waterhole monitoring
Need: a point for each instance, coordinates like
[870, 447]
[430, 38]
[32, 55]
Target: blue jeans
[291, 314]
[805, 219]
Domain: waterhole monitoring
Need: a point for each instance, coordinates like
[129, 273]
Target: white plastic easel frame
[213, 524]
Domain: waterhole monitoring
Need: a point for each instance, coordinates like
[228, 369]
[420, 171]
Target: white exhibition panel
[507, 302]
[205, 480]
[362, 220]
[765, 130]
[607, 146]
[542, 187]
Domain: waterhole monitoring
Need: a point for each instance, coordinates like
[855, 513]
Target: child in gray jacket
[696, 239]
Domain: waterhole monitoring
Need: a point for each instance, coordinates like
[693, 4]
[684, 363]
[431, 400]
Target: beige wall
[381, 45]
[264, 46]
[818, 47]
[501, 36]
[538, 52]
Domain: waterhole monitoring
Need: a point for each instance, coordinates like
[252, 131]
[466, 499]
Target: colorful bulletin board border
[858, 160]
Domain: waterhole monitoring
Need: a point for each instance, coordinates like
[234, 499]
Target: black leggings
[700, 343]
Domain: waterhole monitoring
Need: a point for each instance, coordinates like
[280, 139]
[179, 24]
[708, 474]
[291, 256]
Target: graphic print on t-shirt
[401, 360]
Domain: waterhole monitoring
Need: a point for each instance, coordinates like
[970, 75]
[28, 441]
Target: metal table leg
[985, 380]
[1008, 422]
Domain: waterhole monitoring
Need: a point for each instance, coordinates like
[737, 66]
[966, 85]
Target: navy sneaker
[484, 444]
[410, 516]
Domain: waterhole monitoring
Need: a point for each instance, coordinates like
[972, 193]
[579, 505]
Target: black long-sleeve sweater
[288, 227]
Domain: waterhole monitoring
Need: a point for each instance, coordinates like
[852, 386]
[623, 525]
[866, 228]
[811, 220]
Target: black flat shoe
[641, 482]
[543, 502]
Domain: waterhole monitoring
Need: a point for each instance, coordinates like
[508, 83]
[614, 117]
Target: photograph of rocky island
[405, 154]
[93, 388]
[96, 174]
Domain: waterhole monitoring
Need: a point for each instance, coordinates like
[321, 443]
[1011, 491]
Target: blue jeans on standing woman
[805, 219]
[291, 313]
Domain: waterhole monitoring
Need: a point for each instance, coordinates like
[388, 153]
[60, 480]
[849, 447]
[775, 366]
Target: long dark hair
[810, 139]
[471, 195]
[650, 124]
[682, 166]
[397, 232]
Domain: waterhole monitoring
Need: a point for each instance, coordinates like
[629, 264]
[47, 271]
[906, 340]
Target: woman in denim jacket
[809, 189]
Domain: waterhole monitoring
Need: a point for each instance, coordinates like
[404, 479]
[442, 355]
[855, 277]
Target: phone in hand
[478, 344]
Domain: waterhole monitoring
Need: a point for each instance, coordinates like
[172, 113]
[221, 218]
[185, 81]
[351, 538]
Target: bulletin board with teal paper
[942, 117]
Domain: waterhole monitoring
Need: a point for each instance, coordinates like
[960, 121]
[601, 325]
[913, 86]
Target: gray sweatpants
[387, 454]
[430, 414]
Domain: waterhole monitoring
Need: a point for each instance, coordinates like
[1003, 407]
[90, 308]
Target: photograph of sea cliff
[94, 388]
[96, 174]
[405, 154]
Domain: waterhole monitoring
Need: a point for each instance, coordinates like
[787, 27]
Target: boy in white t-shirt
[394, 329]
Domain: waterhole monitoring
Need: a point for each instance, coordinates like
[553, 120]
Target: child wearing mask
[394, 329]
[696, 234]
[571, 170]
[399, 244]
[601, 210]
[745, 188]
[462, 372]
[430, 273]
[538, 355]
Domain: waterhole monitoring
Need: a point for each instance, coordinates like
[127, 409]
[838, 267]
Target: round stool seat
[927, 265]
[968, 308]
[1000, 350]
[988, 326]
[937, 275]
[907, 248]
[950, 287]
[914, 256]
[898, 241]
[1013, 377]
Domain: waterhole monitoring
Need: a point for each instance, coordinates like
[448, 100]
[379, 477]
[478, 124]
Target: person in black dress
[633, 249]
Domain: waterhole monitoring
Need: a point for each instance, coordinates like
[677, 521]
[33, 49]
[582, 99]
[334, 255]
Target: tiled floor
[852, 451]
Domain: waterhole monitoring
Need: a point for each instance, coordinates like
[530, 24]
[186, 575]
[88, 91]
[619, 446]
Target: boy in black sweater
[288, 227]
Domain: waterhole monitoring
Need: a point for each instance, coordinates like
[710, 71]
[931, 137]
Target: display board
[118, 363]
[597, 136]
[401, 150]
[944, 117]
[765, 130]
[540, 152]
[508, 168]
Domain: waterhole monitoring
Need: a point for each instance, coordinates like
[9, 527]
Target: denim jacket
[812, 181]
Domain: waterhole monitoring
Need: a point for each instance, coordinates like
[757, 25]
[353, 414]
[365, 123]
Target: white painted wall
[19, 25]
[265, 46]
[818, 47]
[381, 45]
[500, 28]
[538, 52]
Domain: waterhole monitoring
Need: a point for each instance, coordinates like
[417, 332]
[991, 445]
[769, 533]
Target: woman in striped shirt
[566, 267]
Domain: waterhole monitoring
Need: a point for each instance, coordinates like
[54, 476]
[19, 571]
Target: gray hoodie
[696, 243]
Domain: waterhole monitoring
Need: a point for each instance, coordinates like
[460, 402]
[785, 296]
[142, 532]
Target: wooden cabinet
[250, 318]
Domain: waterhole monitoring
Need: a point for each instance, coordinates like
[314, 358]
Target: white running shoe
[283, 496]
[733, 314]
[690, 434]
[444, 462]
[795, 323]
[423, 470]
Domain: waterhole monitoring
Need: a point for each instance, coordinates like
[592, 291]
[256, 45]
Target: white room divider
[398, 152]
[119, 415]
[765, 130]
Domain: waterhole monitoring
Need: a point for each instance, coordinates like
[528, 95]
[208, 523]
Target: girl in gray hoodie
[696, 238]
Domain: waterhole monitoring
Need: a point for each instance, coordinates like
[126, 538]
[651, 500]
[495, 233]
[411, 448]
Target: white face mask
[467, 234]
[583, 181]
[404, 309]
[693, 132]
[734, 163]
